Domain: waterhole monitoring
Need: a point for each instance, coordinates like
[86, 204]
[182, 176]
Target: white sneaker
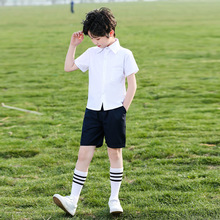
[115, 206]
[65, 203]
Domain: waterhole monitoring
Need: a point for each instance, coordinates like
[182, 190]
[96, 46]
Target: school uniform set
[105, 115]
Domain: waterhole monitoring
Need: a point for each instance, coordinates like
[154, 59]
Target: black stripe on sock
[84, 177]
[78, 183]
[116, 173]
[116, 176]
[78, 179]
[115, 180]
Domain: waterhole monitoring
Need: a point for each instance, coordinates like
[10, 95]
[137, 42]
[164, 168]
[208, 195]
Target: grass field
[172, 158]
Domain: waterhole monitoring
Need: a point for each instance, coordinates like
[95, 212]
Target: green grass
[173, 135]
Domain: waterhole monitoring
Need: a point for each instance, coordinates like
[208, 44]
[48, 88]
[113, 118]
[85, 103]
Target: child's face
[102, 42]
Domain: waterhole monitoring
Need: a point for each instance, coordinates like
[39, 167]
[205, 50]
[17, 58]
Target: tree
[2, 2]
[15, 2]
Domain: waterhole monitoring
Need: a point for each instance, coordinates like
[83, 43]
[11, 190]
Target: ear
[112, 33]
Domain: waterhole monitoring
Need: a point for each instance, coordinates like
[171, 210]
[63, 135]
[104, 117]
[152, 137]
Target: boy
[108, 101]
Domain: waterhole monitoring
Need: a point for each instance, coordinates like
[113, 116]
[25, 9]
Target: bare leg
[69, 204]
[85, 156]
[115, 157]
[80, 173]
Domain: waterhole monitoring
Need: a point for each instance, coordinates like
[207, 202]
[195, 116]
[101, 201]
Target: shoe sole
[58, 203]
[116, 212]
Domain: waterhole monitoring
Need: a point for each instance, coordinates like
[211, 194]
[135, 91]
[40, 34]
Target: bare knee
[85, 154]
[115, 154]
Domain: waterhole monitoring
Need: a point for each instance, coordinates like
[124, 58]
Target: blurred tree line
[31, 2]
[22, 2]
[2, 2]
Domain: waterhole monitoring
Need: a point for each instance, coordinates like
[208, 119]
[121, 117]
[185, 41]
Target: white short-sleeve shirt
[108, 67]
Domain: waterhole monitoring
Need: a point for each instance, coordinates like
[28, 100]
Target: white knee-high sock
[115, 178]
[79, 179]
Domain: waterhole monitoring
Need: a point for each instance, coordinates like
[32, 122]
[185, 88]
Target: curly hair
[99, 22]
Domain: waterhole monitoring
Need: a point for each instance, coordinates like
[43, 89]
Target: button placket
[104, 75]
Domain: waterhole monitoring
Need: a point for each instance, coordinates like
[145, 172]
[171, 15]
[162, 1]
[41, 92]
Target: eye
[97, 38]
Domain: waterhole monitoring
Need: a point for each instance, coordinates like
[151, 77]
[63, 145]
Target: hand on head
[77, 38]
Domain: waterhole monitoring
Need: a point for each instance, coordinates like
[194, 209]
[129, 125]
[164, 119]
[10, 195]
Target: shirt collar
[113, 47]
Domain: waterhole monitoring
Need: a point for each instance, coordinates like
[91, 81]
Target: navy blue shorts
[110, 124]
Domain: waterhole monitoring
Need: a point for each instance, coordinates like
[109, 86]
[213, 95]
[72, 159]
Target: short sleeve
[82, 62]
[130, 65]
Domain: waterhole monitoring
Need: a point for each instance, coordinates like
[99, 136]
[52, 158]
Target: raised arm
[76, 39]
[132, 86]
